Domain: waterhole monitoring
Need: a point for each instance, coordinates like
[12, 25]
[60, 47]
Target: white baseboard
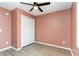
[56, 46]
[17, 49]
[5, 48]
[39, 43]
[9, 48]
[53, 45]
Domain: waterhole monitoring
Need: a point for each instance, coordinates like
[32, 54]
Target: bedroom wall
[54, 28]
[5, 28]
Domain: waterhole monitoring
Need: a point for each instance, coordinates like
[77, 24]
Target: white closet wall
[27, 30]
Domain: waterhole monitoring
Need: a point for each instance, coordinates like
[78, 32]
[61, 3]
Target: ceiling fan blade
[40, 9]
[26, 3]
[31, 9]
[42, 4]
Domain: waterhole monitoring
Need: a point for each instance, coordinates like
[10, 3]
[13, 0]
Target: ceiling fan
[36, 5]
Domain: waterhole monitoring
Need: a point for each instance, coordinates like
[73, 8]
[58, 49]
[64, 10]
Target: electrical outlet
[7, 42]
[64, 42]
[1, 30]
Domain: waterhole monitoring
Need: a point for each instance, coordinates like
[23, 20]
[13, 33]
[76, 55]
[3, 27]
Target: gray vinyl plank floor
[35, 49]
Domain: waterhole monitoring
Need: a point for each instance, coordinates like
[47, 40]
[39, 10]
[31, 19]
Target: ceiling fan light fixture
[35, 7]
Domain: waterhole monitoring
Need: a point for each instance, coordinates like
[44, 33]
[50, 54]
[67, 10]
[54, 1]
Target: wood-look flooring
[35, 49]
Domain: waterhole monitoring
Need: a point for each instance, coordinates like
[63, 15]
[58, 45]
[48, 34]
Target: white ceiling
[54, 6]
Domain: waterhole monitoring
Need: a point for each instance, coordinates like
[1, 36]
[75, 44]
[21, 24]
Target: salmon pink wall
[14, 28]
[5, 25]
[16, 37]
[73, 25]
[54, 28]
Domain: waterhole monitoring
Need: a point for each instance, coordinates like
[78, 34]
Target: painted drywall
[14, 28]
[16, 38]
[73, 12]
[54, 28]
[5, 28]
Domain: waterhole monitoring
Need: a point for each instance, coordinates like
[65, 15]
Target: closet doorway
[27, 30]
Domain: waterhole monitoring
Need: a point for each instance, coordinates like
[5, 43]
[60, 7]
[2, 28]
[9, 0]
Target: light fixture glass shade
[35, 7]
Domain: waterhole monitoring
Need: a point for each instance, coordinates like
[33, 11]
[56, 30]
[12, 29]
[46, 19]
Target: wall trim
[5, 48]
[56, 46]
[53, 45]
[17, 49]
